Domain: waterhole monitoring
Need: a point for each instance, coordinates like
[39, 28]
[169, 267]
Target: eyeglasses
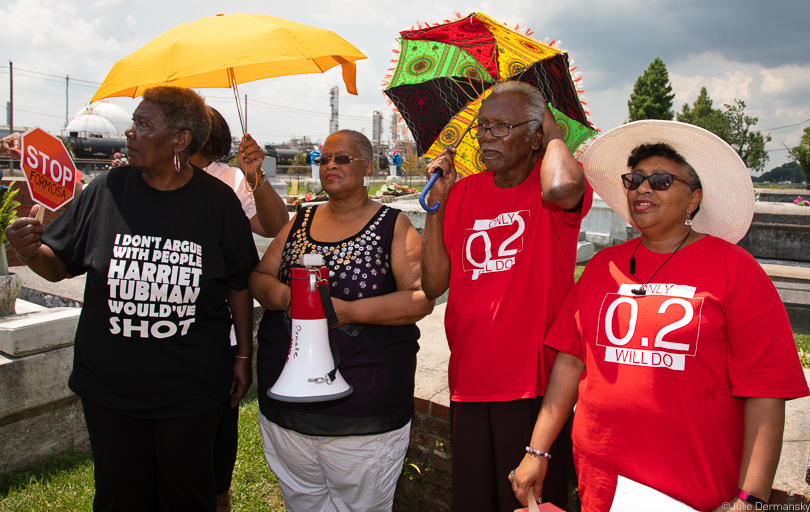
[499, 130]
[339, 159]
[658, 180]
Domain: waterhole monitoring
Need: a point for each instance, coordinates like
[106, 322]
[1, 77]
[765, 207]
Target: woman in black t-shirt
[167, 253]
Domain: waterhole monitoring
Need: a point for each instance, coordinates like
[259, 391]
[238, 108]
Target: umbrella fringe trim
[576, 76]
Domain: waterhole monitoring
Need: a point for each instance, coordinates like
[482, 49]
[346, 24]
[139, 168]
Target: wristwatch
[750, 498]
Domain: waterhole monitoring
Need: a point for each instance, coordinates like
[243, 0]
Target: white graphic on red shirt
[153, 286]
[503, 234]
[660, 329]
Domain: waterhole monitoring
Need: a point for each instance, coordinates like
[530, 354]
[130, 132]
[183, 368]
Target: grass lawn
[64, 483]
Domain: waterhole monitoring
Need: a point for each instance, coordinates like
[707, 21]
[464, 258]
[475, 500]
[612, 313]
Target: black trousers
[143, 465]
[489, 441]
[225, 445]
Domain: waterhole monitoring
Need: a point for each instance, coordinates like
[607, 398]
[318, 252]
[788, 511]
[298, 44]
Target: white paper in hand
[635, 497]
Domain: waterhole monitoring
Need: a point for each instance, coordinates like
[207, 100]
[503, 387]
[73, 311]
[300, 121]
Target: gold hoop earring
[176, 163]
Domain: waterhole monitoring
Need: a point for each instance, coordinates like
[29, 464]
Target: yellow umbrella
[226, 50]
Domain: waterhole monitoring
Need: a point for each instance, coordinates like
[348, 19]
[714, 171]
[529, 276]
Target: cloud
[747, 49]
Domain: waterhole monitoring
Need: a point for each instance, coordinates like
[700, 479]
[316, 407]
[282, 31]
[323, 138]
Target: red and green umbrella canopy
[443, 73]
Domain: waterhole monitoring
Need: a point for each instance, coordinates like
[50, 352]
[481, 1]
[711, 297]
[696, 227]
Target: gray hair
[535, 98]
[182, 109]
[360, 141]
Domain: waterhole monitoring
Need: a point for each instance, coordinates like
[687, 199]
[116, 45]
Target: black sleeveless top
[379, 363]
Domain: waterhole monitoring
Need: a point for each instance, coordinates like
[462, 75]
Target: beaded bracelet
[531, 450]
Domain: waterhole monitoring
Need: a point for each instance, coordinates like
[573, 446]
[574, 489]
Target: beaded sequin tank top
[379, 363]
[359, 266]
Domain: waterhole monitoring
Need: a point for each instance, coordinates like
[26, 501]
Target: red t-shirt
[660, 401]
[512, 264]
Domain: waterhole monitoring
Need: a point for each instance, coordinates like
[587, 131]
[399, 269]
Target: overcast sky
[755, 51]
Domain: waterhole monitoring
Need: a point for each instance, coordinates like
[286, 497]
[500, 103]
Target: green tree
[790, 171]
[801, 155]
[748, 143]
[702, 114]
[731, 125]
[652, 94]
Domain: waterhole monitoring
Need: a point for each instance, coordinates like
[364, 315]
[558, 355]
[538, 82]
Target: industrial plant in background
[97, 131]
[96, 136]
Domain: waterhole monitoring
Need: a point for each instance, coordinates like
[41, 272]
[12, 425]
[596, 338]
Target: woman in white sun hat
[675, 347]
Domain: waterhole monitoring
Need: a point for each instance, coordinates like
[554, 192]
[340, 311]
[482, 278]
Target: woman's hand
[531, 472]
[10, 145]
[25, 234]
[250, 157]
[242, 379]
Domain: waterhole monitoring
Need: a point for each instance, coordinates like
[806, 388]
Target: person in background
[676, 346]
[265, 209]
[167, 252]
[344, 454]
[504, 241]
[267, 213]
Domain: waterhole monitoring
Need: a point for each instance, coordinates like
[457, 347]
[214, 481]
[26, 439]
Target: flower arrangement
[801, 202]
[309, 198]
[395, 190]
[8, 209]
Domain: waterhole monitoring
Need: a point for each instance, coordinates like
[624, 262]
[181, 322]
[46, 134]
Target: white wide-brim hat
[727, 207]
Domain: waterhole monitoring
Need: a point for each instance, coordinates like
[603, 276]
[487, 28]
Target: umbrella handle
[425, 191]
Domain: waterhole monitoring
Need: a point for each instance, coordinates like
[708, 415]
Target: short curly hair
[535, 99]
[664, 150]
[218, 146]
[182, 109]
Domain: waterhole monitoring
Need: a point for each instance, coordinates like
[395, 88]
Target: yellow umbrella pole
[244, 129]
[236, 97]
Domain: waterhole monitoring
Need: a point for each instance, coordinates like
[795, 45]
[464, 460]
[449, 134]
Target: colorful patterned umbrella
[443, 72]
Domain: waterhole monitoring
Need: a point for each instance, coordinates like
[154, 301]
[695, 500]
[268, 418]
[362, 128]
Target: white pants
[328, 474]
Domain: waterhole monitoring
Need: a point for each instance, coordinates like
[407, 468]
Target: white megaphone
[310, 374]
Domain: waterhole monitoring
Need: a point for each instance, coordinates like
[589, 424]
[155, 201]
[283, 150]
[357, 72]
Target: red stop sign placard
[48, 169]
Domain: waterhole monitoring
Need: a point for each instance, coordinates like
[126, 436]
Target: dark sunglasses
[339, 159]
[658, 181]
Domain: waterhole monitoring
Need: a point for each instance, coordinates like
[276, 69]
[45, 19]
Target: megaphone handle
[328, 308]
[331, 317]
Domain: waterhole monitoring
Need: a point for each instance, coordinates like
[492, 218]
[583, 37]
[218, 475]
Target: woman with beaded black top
[345, 454]
[676, 346]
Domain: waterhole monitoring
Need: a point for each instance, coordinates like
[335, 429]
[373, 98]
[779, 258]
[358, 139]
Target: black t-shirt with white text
[153, 337]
